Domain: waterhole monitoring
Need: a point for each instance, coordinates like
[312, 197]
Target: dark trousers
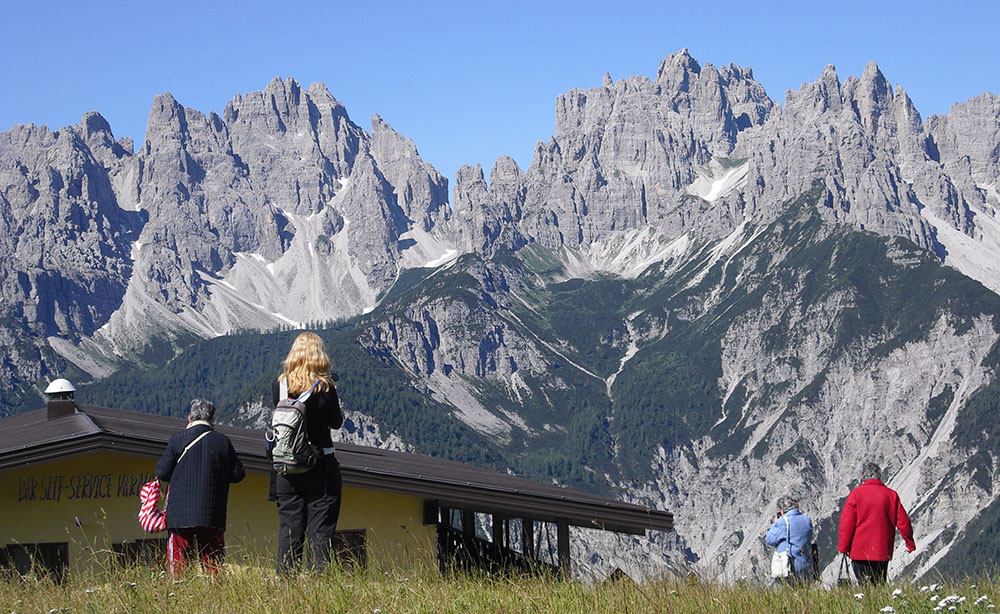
[871, 572]
[308, 505]
[211, 548]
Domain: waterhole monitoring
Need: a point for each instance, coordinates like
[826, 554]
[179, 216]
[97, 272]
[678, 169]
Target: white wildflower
[889, 609]
[934, 598]
[377, 611]
[980, 600]
[923, 589]
[897, 593]
[859, 595]
[90, 591]
[952, 599]
[936, 587]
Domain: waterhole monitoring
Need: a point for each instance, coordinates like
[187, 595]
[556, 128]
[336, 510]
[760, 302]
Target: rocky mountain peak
[676, 70]
[873, 97]
[96, 133]
[505, 170]
[167, 122]
[95, 129]
[420, 190]
[469, 174]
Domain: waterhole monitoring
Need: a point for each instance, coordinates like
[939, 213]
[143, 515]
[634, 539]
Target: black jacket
[199, 483]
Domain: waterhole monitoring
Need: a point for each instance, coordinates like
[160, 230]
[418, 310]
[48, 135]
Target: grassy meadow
[254, 589]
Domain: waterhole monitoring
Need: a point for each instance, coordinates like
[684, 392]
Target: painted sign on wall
[57, 487]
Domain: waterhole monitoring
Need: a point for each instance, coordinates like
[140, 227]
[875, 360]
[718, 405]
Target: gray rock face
[249, 212]
[421, 191]
[700, 150]
[624, 153]
[64, 242]
[487, 217]
[215, 223]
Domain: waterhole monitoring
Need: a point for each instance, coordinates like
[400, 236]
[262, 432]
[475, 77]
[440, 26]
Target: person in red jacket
[868, 524]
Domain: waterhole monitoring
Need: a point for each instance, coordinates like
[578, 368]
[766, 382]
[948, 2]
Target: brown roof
[32, 437]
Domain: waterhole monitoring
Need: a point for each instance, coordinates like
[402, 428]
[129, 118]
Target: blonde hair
[307, 362]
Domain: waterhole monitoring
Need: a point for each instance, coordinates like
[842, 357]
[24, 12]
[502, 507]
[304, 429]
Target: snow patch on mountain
[625, 253]
[421, 249]
[979, 256]
[719, 182]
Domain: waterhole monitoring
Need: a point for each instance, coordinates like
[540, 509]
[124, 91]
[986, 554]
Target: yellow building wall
[91, 501]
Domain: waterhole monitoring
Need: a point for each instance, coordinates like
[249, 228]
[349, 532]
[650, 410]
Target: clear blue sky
[467, 81]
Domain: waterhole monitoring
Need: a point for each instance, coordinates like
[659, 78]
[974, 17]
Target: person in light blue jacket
[794, 536]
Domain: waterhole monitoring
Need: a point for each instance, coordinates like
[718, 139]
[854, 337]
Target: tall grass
[254, 589]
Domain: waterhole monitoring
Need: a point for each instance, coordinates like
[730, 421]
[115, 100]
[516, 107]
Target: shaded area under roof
[33, 437]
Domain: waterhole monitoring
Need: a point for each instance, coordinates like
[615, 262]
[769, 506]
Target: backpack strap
[305, 395]
[788, 528]
[283, 390]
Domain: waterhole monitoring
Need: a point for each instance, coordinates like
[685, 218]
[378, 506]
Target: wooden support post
[528, 537]
[562, 545]
[469, 522]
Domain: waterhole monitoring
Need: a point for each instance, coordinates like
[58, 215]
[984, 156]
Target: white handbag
[781, 562]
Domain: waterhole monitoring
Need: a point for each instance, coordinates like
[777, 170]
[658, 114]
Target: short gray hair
[871, 471]
[201, 410]
[787, 502]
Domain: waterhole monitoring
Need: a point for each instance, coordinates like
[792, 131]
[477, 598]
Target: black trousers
[871, 572]
[308, 505]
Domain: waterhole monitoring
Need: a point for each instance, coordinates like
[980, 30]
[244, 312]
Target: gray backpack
[291, 451]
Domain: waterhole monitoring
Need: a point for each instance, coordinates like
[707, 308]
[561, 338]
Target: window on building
[24, 559]
[349, 548]
[142, 552]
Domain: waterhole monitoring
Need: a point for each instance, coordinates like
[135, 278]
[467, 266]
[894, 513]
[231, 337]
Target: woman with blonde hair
[309, 503]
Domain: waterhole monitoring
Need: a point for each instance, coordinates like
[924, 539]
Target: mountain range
[694, 298]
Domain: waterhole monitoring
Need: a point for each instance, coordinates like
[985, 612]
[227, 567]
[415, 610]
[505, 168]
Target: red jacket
[869, 521]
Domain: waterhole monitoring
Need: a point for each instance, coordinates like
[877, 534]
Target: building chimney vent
[61, 403]
[58, 408]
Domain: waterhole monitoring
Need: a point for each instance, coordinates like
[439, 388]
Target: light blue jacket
[801, 529]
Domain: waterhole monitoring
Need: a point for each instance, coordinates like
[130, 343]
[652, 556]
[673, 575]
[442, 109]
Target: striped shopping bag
[152, 519]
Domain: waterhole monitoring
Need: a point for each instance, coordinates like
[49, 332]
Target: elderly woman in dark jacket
[199, 463]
